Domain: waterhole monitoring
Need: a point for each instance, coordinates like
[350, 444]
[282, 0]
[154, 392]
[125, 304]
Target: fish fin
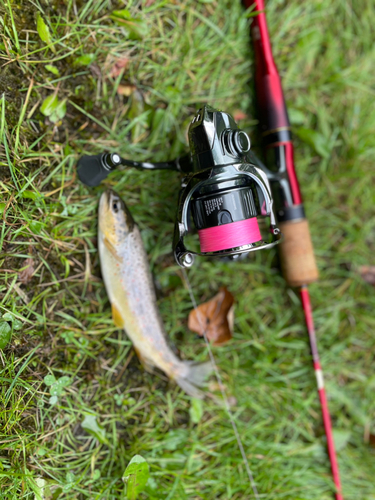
[117, 318]
[146, 363]
[195, 378]
[111, 248]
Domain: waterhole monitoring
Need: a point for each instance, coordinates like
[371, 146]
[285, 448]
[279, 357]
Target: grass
[189, 53]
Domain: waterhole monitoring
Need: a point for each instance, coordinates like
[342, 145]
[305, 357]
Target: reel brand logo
[211, 205]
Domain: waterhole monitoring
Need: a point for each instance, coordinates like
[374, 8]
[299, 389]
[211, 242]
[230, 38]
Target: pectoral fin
[117, 318]
[111, 248]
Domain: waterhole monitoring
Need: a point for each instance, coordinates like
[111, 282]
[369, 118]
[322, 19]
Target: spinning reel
[225, 189]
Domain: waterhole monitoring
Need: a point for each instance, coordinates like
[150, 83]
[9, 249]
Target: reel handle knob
[92, 170]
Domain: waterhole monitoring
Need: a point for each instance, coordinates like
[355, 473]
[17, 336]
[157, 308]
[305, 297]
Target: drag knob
[235, 142]
[241, 141]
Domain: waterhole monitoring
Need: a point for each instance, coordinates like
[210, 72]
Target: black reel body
[225, 190]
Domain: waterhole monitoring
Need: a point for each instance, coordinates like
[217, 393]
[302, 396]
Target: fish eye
[116, 206]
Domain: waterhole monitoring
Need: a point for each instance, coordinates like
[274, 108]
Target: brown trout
[130, 289]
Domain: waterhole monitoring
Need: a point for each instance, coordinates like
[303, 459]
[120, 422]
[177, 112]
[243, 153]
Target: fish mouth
[104, 208]
[105, 199]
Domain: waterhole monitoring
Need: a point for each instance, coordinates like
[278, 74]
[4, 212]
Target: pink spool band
[234, 234]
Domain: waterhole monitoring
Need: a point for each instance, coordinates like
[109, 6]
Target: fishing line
[234, 234]
[222, 390]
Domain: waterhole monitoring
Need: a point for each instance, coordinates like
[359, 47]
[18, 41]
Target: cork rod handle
[297, 253]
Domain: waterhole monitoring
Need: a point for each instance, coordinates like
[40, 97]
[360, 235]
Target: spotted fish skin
[128, 282]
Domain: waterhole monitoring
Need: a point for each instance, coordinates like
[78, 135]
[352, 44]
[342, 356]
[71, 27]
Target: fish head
[115, 219]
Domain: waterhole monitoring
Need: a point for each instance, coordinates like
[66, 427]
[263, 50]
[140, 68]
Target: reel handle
[92, 170]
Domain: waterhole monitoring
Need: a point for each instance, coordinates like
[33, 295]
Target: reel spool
[226, 193]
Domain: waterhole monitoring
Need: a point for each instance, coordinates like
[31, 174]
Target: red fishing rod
[296, 250]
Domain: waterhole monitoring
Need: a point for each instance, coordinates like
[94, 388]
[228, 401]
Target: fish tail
[194, 378]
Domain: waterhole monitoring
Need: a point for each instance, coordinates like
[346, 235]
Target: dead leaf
[21, 293]
[372, 440]
[239, 115]
[95, 71]
[26, 274]
[126, 90]
[216, 317]
[368, 274]
[120, 65]
[215, 386]
[232, 401]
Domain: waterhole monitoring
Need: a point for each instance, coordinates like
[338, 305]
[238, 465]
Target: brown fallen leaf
[214, 386]
[95, 71]
[120, 65]
[21, 293]
[27, 273]
[126, 90]
[368, 274]
[215, 317]
[239, 115]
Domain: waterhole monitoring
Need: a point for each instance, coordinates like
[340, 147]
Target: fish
[130, 289]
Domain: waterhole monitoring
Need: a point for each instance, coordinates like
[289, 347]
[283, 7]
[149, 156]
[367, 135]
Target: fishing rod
[296, 250]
